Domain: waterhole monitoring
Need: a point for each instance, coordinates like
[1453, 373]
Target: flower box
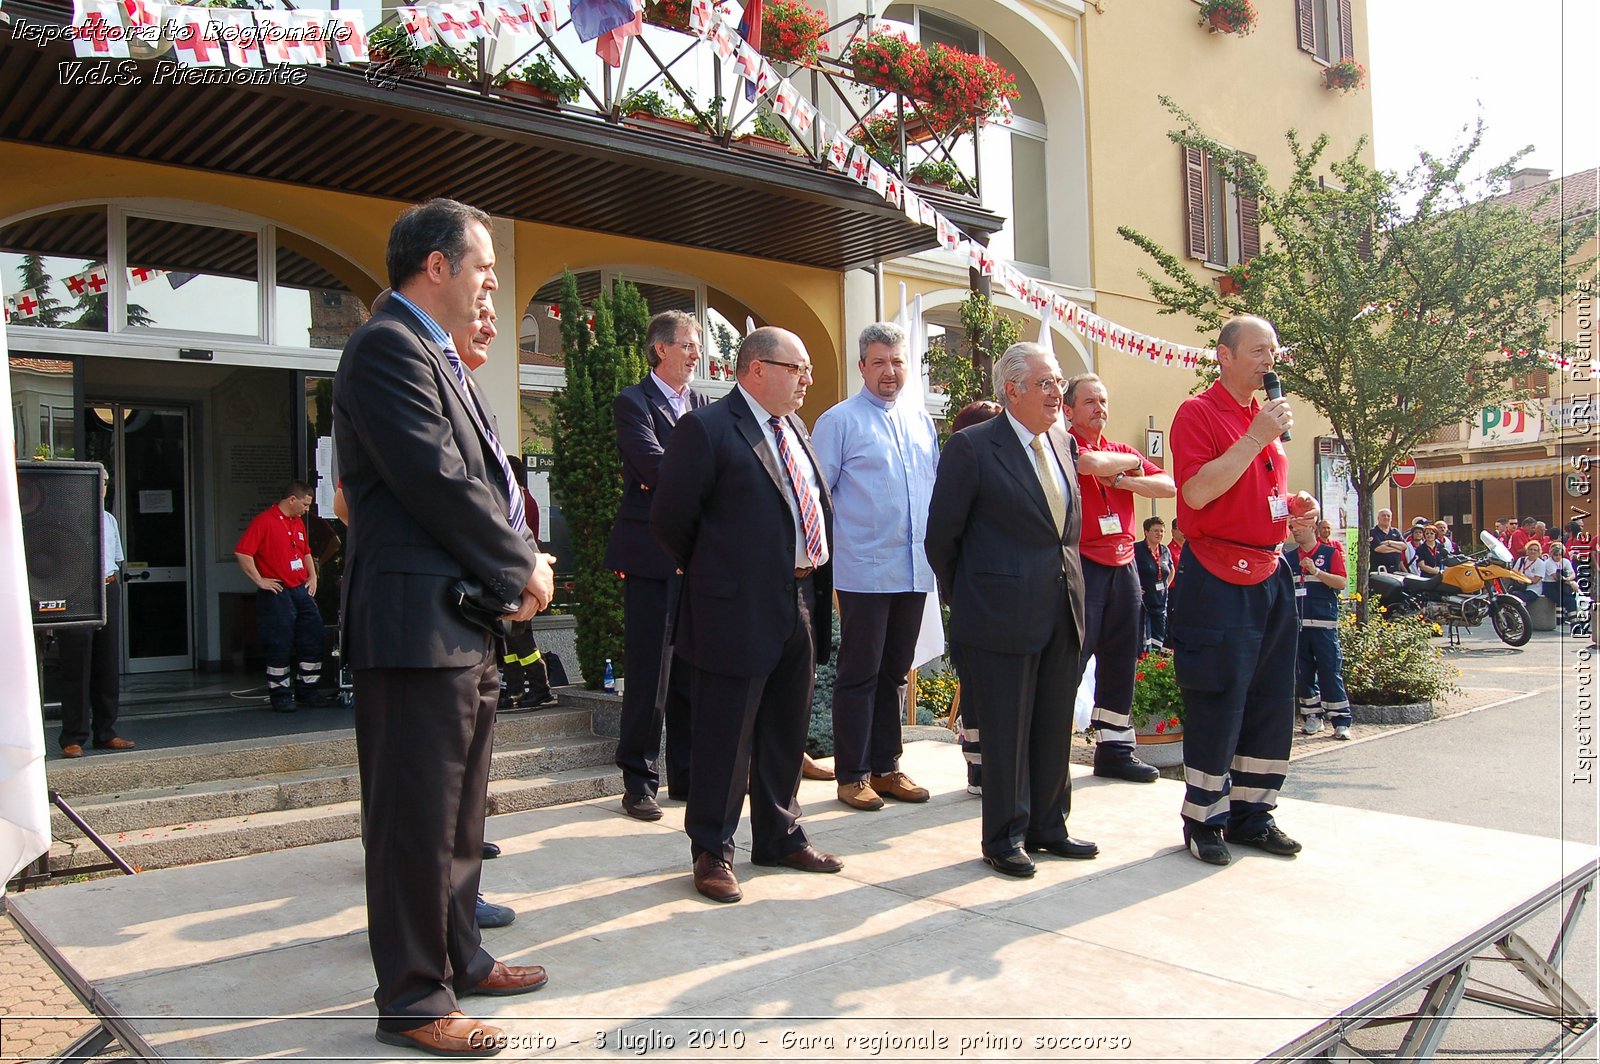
[1229, 16]
[766, 145]
[1345, 76]
[532, 92]
[791, 31]
[668, 14]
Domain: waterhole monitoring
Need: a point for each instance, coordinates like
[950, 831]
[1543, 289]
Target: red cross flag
[449, 23]
[26, 304]
[784, 99]
[766, 79]
[349, 31]
[804, 116]
[308, 45]
[277, 27]
[75, 284]
[725, 41]
[142, 13]
[418, 28]
[701, 18]
[196, 42]
[891, 188]
[138, 275]
[97, 30]
[748, 60]
[911, 204]
[510, 15]
[243, 45]
[877, 176]
[925, 212]
[97, 280]
[860, 164]
[476, 22]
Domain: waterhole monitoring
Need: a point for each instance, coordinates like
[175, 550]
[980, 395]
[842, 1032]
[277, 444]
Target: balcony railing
[897, 130]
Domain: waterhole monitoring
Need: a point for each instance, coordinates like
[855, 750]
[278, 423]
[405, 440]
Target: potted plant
[941, 173]
[1232, 281]
[767, 134]
[791, 31]
[1229, 16]
[879, 135]
[539, 79]
[963, 87]
[1157, 711]
[890, 60]
[648, 107]
[1346, 75]
[1393, 670]
[669, 14]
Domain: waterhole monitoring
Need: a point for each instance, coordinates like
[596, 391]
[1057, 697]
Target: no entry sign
[1405, 472]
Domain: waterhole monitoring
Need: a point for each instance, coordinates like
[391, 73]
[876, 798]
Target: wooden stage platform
[915, 952]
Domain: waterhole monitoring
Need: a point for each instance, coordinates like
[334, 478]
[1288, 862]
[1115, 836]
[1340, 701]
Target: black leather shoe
[1272, 841]
[490, 851]
[641, 807]
[1129, 768]
[1077, 849]
[1015, 863]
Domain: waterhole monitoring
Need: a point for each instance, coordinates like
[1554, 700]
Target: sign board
[1155, 444]
[1405, 473]
[1510, 423]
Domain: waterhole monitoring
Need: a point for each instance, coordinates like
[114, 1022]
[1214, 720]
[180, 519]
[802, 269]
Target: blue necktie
[516, 512]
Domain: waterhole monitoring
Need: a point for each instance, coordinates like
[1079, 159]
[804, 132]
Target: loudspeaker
[61, 534]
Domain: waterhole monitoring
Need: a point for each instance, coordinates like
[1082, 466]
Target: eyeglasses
[799, 369]
[1051, 384]
[691, 346]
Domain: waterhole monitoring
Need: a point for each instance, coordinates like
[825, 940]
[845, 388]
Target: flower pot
[530, 91]
[1161, 751]
[673, 125]
[671, 17]
[767, 145]
[1229, 285]
[438, 70]
[1222, 22]
[1408, 713]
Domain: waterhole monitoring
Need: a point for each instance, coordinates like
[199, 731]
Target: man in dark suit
[431, 500]
[741, 509]
[646, 415]
[1003, 542]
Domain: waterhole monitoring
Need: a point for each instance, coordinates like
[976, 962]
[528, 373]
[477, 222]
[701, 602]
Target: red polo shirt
[1107, 548]
[276, 541]
[1235, 536]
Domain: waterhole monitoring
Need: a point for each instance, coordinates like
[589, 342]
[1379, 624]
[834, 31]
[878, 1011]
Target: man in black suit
[1003, 542]
[431, 501]
[742, 511]
[646, 414]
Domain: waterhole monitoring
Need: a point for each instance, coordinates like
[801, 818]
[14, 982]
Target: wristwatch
[1118, 478]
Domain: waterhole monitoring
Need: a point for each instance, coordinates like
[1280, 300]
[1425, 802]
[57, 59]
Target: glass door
[146, 450]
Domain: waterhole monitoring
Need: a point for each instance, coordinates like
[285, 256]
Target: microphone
[1274, 389]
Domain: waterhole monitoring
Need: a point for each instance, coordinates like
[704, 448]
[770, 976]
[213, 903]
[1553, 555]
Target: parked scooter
[1469, 590]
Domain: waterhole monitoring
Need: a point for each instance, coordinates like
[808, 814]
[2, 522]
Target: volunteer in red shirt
[275, 555]
[1233, 629]
[1110, 580]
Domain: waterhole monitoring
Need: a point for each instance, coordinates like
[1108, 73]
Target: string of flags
[92, 282]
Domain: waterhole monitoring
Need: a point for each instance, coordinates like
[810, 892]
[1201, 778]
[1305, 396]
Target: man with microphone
[1233, 629]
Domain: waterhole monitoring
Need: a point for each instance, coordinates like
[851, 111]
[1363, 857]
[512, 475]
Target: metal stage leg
[1433, 1016]
[89, 1046]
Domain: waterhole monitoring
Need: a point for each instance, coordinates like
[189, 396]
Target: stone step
[238, 835]
[139, 770]
[182, 804]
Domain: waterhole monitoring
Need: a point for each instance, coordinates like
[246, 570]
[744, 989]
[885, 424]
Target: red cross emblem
[27, 306]
[95, 30]
[75, 285]
[449, 27]
[96, 279]
[140, 274]
[190, 39]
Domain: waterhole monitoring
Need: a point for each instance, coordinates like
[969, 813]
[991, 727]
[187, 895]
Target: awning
[1513, 470]
[414, 139]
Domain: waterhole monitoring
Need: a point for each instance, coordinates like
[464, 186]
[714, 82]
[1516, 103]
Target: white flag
[804, 116]
[242, 40]
[277, 29]
[348, 27]
[97, 30]
[24, 810]
[197, 41]
[1046, 340]
[785, 99]
[309, 45]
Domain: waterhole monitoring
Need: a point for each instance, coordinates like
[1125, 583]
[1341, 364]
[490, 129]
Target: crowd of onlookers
[1553, 563]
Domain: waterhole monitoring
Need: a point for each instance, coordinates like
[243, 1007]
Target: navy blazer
[722, 512]
[1002, 566]
[645, 423]
[427, 501]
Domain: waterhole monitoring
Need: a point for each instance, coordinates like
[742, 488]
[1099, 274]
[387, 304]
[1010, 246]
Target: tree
[586, 477]
[965, 373]
[33, 273]
[1405, 302]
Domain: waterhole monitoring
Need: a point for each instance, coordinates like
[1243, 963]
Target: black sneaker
[1206, 844]
[1272, 841]
[283, 703]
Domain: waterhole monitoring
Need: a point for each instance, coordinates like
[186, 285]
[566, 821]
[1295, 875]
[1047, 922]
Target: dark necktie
[516, 511]
[810, 512]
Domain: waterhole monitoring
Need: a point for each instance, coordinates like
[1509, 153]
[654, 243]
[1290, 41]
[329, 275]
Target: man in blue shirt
[878, 454]
[1319, 577]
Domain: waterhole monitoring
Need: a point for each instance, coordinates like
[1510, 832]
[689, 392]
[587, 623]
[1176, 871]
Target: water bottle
[611, 679]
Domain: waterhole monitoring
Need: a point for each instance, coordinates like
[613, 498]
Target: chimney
[1527, 177]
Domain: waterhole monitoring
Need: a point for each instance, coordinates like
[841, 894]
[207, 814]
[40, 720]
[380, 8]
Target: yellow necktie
[1052, 491]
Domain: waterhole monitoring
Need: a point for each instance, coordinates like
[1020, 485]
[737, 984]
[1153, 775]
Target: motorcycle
[1467, 591]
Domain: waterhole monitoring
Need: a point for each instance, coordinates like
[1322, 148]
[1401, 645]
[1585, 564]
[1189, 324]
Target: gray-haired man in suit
[1003, 542]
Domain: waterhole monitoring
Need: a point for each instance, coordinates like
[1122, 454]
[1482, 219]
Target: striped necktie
[516, 510]
[810, 512]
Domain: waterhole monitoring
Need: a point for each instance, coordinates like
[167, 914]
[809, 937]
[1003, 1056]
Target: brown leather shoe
[117, 743]
[898, 785]
[72, 750]
[813, 771]
[859, 795]
[809, 859]
[504, 980]
[713, 877]
[453, 1036]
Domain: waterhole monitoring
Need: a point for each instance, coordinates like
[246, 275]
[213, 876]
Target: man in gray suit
[431, 500]
[1003, 542]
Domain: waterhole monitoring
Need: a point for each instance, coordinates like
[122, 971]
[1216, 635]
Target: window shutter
[1364, 247]
[1194, 197]
[1249, 224]
[1305, 27]
[1347, 31]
